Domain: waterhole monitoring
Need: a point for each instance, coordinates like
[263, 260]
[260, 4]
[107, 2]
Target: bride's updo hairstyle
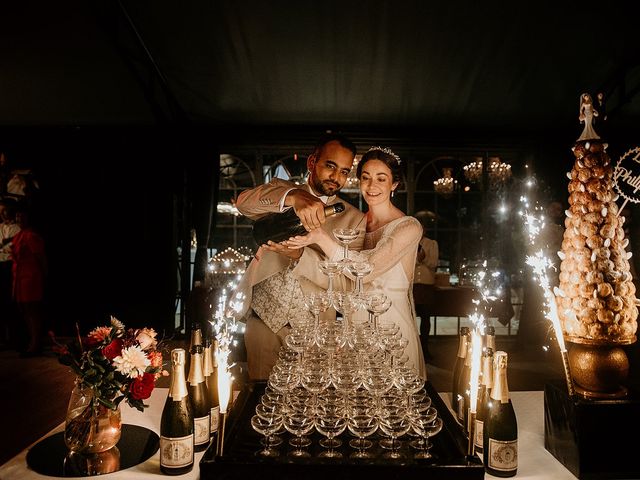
[385, 155]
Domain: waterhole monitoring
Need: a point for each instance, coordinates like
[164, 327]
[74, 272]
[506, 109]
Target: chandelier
[353, 183]
[445, 184]
[499, 173]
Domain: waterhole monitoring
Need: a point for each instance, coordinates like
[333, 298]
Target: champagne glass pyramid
[346, 236]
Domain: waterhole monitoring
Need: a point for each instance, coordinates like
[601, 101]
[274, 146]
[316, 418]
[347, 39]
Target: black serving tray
[51, 457]
[241, 444]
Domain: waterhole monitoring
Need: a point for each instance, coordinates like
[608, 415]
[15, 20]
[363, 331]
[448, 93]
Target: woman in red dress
[29, 271]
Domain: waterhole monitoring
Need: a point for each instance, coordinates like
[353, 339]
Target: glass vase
[90, 427]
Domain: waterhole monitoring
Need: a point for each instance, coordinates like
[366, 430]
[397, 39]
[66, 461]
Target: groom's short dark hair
[335, 137]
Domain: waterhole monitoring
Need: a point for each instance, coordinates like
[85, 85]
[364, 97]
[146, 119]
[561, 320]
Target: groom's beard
[325, 187]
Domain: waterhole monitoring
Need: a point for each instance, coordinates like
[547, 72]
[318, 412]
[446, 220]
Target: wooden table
[457, 301]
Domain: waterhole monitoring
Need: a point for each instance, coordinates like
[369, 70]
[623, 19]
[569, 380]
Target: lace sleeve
[398, 244]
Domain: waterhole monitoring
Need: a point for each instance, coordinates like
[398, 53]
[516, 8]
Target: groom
[272, 292]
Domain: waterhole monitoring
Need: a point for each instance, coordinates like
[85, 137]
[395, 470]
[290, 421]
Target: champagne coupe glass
[315, 381]
[362, 425]
[299, 423]
[377, 304]
[426, 430]
[267, 426]
[394, 425]
[329, 340]
[346, 236]
[346, 303]
[265, 409]
[395, 345]
[377, 382]
[362, 342]
[359, 269]
[317, 303]
[331, 426]
[421, 416]
[408, 380]
[330, 269]
[297, 340]
[280, 379]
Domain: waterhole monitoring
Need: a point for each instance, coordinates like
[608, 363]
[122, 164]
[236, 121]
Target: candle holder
[472, 434]
[222, 417]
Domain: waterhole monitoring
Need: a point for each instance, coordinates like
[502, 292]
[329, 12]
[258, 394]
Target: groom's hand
[309, 208]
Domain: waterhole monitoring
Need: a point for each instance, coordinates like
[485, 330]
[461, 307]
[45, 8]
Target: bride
[390, 245]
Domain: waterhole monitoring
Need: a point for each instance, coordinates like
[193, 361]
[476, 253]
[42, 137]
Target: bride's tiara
[386, 150]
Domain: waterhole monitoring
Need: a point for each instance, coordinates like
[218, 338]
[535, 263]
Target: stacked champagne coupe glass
[346, 375]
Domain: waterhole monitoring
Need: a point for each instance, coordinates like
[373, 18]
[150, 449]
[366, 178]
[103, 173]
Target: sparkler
[476, 351]
[540, 264]
[224, 327]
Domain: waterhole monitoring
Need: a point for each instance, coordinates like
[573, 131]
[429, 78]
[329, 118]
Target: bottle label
[201, 430]
[479, 432]
[176, 452]
[503, 456]
[215, 412]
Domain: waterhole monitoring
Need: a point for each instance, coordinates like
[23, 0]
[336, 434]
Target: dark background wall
[105, 208]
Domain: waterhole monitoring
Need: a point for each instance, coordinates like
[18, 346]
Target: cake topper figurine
[587, 112]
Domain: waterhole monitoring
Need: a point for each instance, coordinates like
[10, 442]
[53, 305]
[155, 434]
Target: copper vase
[90, 427]
[599, 369]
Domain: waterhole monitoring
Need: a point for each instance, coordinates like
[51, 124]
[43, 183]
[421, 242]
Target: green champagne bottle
[457, 368]
[500, 431]
[176, 424]
[282, 226]
[199, 398]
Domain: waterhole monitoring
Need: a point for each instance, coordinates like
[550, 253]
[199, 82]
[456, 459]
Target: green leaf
[107, 403]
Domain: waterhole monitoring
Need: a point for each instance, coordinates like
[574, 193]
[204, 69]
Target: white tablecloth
[534, 462]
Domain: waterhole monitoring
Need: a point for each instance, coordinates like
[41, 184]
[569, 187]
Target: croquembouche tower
[596, 297]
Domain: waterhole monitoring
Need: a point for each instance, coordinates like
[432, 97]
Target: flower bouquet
[112, 364]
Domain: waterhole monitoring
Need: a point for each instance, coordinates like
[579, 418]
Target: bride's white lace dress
[392, 250]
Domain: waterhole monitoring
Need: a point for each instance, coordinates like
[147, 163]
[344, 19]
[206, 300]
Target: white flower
[132, 362]
[147, 338]
[117, 325]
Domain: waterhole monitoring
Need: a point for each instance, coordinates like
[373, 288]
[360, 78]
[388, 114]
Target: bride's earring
[392, 193]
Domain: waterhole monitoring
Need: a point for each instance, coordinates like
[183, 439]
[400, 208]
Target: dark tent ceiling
[517, 66]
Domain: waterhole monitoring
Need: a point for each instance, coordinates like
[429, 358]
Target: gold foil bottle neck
[178, 389]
